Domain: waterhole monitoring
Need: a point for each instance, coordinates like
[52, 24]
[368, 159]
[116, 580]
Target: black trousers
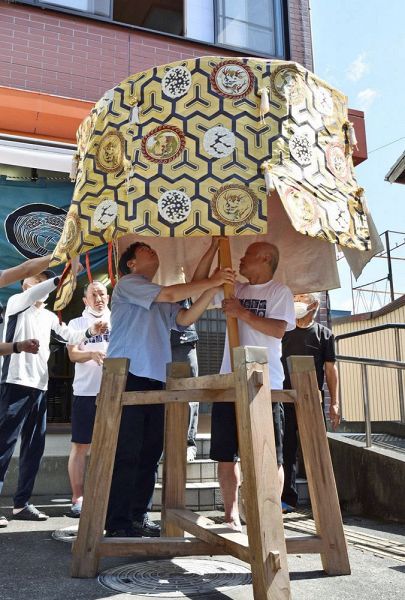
[290, 453]
[22, 411]
[139, 448]
[290, 450]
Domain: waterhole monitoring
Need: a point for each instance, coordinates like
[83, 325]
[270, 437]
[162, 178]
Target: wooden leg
[318, 466]
[98, 479]
[175, 452]
[264, 520]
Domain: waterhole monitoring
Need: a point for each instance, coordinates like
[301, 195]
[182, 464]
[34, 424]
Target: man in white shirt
[88, 357]
[24, 381]
[265, 310]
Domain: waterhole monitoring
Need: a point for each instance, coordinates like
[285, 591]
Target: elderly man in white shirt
[24, 380]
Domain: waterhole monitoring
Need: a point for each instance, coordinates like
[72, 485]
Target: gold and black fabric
[194, 148]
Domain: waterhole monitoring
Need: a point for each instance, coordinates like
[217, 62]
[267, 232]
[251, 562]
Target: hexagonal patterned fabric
[193, 148]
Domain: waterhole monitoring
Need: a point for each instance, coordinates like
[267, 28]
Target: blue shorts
[83, 415]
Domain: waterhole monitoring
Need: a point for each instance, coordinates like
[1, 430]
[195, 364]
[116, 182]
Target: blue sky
[359, 47]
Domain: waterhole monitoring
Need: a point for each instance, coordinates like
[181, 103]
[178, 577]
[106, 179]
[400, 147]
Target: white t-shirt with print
[88, 374]
[272, 300]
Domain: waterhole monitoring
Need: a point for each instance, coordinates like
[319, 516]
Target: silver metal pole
[366, 405]
[399, 375]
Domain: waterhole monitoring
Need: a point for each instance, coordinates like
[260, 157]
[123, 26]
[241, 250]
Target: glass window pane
[95, 7]
[250, 24]
[199, 15]
[149, 14]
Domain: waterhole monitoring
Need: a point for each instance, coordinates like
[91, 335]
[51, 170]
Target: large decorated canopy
[198, 148]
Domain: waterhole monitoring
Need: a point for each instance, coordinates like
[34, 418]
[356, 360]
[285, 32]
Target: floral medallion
[104, 214]
[336, 160]
[163, 144]
[234, 204]
[287, 84]
[232, 79]
[219, 141]
[301, 147]
[174, 206]
[176, 82]
[110, 152]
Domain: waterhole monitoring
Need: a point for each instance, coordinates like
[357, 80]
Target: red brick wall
[55, 53]
[300, 32]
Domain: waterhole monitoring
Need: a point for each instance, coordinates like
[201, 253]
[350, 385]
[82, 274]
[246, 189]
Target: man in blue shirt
[142, 315]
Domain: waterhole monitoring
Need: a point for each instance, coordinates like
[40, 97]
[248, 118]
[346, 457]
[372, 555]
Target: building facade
[57, 58]
[77, 48]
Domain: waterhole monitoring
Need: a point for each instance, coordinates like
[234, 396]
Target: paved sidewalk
[34, 566]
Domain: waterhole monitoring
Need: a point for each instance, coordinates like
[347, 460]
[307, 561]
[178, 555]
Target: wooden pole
[225, 260]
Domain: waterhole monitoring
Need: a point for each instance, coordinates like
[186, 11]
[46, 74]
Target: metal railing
[364, 362]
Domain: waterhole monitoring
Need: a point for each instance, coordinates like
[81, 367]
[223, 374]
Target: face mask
[301, 310]
[93, 312]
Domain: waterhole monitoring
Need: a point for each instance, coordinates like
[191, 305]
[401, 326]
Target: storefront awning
[25, 153]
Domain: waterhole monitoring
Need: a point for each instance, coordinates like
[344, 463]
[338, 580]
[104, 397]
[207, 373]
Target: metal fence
[388, 403]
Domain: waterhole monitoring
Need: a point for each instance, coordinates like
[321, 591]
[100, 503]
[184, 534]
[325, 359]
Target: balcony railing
[366, 362]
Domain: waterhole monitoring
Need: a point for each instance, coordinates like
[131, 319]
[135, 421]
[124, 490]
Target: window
[255, 26]
[160, 15]
[250, 24]
[96, 7]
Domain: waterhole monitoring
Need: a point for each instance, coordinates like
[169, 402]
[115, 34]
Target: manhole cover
[177, 578]
[67, 534]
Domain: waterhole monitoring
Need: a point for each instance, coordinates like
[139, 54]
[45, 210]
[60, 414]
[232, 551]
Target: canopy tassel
[360, 195]
[129, 172]
[266, 169]
[264, 103]
[351, 140]
[89, 275]
[111, 274]
[134, 112]
[74, 167]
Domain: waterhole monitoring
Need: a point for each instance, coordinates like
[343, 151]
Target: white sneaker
[191, 453]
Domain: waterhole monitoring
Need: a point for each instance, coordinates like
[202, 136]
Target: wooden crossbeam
[177, 396]
[207, 395]
[305, 544]
[205, 382]
[232, 542]
[157, 547]
[283, 396]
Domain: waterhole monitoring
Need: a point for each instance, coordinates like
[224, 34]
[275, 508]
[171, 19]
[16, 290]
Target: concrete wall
[370, 481]
[78, 57]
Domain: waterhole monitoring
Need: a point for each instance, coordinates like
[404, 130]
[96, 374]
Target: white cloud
[365, 98]
[358, 68]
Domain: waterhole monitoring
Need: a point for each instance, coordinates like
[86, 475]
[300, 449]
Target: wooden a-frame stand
[264, 546]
